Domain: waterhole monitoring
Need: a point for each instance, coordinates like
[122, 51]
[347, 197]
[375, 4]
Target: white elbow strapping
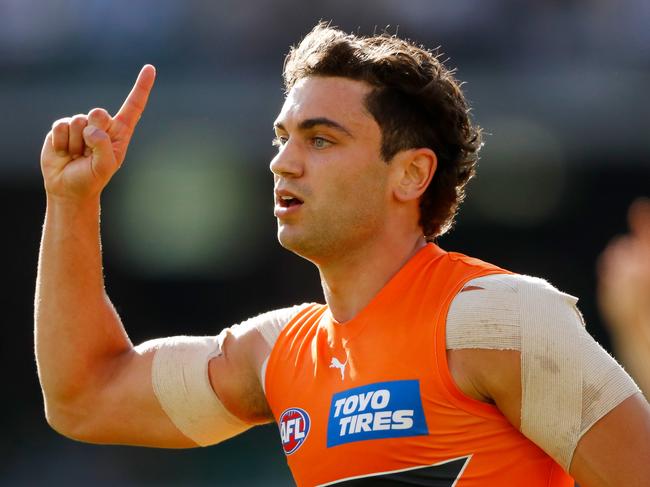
[182, 385]
[568, 380]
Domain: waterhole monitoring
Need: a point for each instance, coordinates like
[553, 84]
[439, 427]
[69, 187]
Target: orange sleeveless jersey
[372, 402]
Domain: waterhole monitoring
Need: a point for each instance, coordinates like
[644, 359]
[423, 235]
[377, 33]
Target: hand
[624, 277]
[81, 153]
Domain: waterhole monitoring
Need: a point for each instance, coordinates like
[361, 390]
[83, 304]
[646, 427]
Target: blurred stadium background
[560, 87]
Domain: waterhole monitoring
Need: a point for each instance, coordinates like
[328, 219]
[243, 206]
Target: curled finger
[100, 118]
[76, 144]
[60, 135]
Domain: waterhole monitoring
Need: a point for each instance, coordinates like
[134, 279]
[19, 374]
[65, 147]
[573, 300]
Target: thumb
[103, 158]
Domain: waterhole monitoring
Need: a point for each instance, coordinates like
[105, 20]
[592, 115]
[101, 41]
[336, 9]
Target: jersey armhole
[451, 390]
[268, 365]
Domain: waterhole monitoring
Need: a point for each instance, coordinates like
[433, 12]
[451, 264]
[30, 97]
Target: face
[331, 185]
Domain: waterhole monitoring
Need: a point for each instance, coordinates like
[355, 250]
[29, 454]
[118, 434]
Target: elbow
[58, 424]
[59, 421]
[68, 420]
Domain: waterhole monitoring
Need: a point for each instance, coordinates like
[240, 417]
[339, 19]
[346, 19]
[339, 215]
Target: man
[423, 368]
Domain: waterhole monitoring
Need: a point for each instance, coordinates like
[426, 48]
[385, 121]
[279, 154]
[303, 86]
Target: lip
[281, 211]
[285, 211]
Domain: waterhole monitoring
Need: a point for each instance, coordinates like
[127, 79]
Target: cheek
[351, 182]
[363, 196]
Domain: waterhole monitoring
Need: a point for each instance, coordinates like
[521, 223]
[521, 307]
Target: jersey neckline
[385, 296]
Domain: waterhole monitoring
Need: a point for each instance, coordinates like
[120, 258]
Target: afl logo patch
[294, 428]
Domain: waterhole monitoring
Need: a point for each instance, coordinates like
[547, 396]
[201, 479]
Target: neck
[352, 281]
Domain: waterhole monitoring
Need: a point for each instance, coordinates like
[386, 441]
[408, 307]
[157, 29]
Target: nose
[287, 162]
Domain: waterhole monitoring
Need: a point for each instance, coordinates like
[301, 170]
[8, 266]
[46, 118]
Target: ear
[415, 168]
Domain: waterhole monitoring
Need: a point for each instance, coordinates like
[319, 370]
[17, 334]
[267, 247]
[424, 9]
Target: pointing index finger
[133, 106]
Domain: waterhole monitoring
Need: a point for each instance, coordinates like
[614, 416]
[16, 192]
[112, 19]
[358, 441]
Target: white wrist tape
[568, 380]
[182, 385]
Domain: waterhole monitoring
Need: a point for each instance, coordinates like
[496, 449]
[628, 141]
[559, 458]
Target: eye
[320, 143]
[279, 141]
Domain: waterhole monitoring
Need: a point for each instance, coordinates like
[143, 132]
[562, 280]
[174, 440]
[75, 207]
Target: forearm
[78, 334]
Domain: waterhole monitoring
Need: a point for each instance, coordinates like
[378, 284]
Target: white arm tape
[182, 385]
[568, 380]
[270, 324]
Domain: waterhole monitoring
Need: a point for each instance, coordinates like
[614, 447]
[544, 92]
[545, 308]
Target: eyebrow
[314, 122]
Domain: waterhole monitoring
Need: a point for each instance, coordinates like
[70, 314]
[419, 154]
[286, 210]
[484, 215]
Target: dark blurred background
[560, 87]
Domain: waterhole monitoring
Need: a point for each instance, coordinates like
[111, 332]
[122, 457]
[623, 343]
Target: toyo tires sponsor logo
[380, 410]
[294, 428]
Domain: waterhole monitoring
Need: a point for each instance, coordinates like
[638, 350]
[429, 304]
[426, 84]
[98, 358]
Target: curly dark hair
[416, 102]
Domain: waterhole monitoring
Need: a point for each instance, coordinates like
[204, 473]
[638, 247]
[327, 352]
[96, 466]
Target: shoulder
[252, 340]
[524, 343]
[489, 311]
[271, 323]
[505, 286]
[236, 371]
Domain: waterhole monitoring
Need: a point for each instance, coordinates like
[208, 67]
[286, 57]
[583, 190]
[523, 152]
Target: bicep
[178, 392]
[616, 449]
[182, 391]
[612, 452]
[558, 382]
[124, 408]
[237, 375]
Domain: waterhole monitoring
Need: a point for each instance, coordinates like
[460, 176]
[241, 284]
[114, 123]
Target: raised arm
[96, 385]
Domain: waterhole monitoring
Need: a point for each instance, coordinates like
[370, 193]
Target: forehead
[339, 99]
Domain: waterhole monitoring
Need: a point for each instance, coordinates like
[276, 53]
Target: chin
[288, 238]
[298, 244]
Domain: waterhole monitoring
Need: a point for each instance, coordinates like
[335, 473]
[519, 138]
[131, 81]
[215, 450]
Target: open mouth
[289, 201]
